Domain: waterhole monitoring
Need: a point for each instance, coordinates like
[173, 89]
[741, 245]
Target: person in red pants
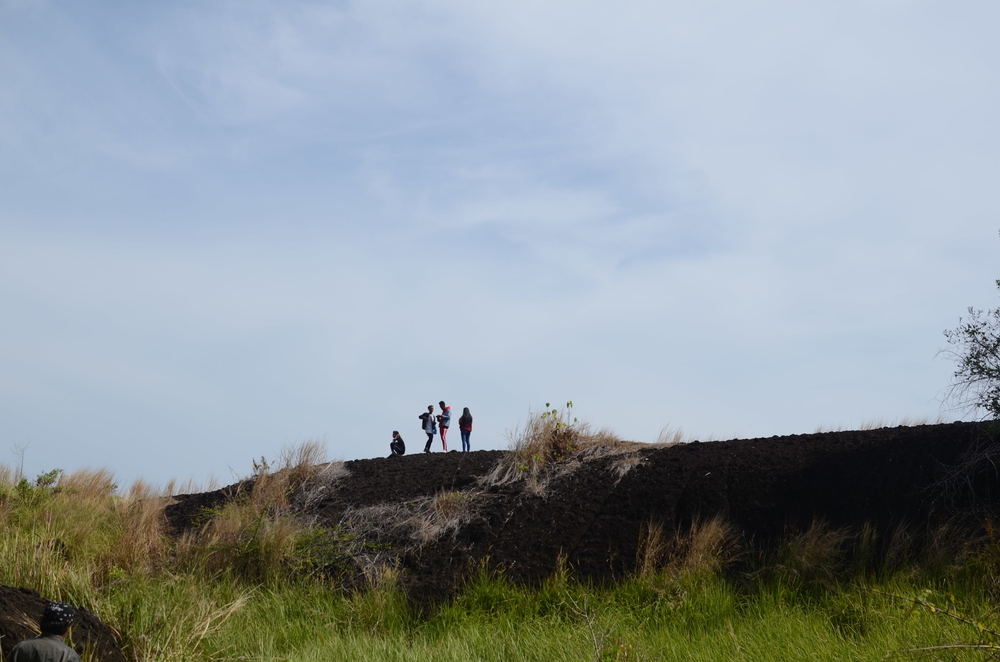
[444, 420]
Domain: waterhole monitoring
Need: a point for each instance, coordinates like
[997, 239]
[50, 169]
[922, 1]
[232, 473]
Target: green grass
[492, 620]
[247, 588]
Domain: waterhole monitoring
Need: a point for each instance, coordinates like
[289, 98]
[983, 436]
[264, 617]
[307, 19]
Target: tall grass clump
[673, 568]
[706, 547]
[553, 441]
[68, 533]
[79, 538]
[261, 534]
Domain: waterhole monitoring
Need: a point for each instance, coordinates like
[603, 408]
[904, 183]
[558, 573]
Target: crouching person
[397, 446]
[49, 645]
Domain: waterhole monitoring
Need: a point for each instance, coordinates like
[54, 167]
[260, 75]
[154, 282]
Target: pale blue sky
[228, 226]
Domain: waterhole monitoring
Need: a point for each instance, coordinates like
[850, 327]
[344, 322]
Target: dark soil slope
[21, 610]
[394, 479]
[594, 515]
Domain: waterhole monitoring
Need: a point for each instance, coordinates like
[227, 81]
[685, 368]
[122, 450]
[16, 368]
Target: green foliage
[22, 489]
[561, 418]
[557, 432]
[562, 435]
[25, 492]
[48, 478]
[974, 345]
[261, 467]
[259, 546]
[280, 596]
[979, 637]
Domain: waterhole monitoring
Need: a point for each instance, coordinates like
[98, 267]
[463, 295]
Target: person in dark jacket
[444, 421]
[465, 428]
[396, 445]
[49, 645]
[428, 426]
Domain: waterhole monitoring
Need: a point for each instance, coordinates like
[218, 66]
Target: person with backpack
[465, 429]
[444, 421]
[396, 445]
[429, 426]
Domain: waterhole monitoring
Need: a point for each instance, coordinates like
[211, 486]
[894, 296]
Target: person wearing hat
[49, 645]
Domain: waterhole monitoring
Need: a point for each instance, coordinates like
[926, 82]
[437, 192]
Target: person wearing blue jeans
[465, 428]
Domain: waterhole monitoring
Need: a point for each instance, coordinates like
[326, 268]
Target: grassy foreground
[257, 584]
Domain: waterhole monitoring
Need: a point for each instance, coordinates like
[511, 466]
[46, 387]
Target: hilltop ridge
[438, 516]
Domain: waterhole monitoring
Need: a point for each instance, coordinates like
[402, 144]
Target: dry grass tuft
[88, 484]
[547, 446]
[879, 423]
[8, 476]
[302, 461]
[382, 577]
[540, 442]
[704, 548]
[708, 546]
[815, 554]
[263, 533]
[902, 548]
[185, 626]
[255, 544]
[445, 513]
[411, 525]
[376, 536]
[654, 550]
[322, 483]
[270, 491]
[143, 544]
[190, 486]
[952, 544]
[301, 479]
[626, 463]
[669, 436]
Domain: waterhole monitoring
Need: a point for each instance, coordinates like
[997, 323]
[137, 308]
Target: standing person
[444, 420]
[49, 645]
[465, 428]
[428, 425]
[396, 445]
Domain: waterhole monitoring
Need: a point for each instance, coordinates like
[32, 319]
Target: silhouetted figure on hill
[396, 445]
[444, 421]
[49, 645]
[429, 426]
[465, 428]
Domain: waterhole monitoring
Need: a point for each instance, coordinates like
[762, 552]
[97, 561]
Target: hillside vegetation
[309, 560]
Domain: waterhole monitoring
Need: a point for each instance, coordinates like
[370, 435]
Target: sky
[231, 227]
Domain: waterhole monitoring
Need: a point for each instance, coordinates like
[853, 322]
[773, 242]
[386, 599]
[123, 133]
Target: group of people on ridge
[431, 423]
